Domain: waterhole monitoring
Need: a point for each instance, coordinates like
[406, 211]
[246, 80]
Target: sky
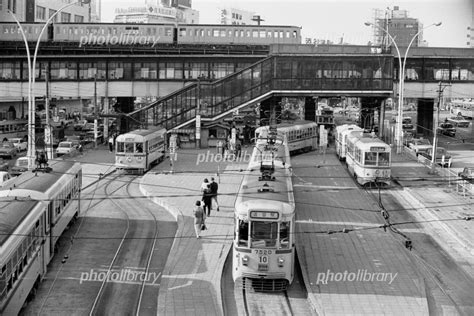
[333, 19]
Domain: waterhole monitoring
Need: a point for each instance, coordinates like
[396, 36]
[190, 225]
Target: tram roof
[12, 213]
[255, 194]
[39, 182]
[367, 141]
[142, 132]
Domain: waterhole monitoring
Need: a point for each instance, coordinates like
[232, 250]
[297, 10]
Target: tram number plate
[263, 259]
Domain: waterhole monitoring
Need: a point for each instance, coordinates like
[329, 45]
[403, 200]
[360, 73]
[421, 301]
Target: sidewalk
[191, 281]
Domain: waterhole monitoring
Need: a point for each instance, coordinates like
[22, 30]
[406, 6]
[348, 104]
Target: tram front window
[384, 159]
[264, 234]
[129, 148]
[370, 158]
[243, 233]
[120, 147]
[139, 147]
[285, 235]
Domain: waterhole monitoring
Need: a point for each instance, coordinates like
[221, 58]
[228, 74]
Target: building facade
[41, 10]
[161, 11]
[231, 15]
[399, 25]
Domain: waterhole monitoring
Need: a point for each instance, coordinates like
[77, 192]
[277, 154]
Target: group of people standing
[203, 210]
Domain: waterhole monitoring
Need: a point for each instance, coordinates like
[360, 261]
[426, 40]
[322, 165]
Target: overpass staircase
[212, 101]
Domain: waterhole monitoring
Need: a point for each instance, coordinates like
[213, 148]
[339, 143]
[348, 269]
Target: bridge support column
[424, 119]
[268, 107]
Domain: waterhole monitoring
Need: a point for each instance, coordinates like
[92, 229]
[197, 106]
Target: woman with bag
[199, 217]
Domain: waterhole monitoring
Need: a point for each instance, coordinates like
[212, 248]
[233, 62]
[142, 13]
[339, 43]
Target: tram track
[114, 296]
[76, 233]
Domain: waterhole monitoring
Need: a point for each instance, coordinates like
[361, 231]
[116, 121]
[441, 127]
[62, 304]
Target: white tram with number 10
[368, 159]
[263, 248]
[140, 149]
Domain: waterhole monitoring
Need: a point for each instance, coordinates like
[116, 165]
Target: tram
[368, 158]
[264, 239]
[36, 208]
[342, 132]
[301, 135]
[140, 149]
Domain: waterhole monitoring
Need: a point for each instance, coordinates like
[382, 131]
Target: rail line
[140, 231]
[104, 282]
[105, 185]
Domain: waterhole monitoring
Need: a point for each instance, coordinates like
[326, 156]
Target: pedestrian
[111, 143]
[199, 218]
[226, 150]
[214, 188]
[207, 200]
[238, 149]
[204, 185]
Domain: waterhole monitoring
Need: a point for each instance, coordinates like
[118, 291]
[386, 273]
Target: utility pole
[198, 115]
[96, 112]
[440, 91]
[48, 131]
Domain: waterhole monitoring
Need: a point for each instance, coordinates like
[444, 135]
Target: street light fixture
[31, 80]
[401, 80]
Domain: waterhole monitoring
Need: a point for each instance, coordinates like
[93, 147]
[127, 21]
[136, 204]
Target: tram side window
[243, 233]
[264, 234]
[384, 159]
[285, 235]
[370, 159]
[129, 147]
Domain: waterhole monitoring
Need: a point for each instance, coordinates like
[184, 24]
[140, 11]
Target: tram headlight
[245, 260]
[281, 261]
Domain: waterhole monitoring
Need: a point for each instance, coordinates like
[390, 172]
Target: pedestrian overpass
[290, 70]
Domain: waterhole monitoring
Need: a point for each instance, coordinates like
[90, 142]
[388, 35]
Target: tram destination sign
[263, 215]
[377, 149]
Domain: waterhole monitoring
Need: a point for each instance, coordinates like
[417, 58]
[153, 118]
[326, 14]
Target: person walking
[207, 200]
[214, 188]
[204, 185]
[111, 143]
[199, 218]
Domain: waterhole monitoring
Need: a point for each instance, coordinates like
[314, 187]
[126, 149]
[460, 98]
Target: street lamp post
[31, 80]
[401, 80]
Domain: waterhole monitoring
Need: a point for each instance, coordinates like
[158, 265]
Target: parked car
[90, 137]
[419, 145]
[66, 148]
[467, 174]
[458, 121]
[3, 165]
[7, 149]
[76, 140]
[447, 129]
[20, 166]
[19, 143]
[442, 158]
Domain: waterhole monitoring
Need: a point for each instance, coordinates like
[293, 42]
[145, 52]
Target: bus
[463, 108]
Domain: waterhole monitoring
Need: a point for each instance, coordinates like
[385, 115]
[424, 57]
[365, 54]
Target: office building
[41, 10]
[399, 25]
[161, 11]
